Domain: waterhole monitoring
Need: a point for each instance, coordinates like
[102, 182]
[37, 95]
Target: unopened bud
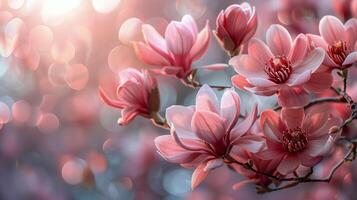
[334, 130]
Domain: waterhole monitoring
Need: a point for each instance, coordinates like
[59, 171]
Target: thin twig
[320, 100]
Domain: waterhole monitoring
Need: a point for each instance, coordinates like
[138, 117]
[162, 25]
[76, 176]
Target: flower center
[278, 69]
[294, 140]
[338, 52]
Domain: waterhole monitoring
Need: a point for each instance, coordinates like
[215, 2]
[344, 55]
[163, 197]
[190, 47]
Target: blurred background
[59, 141]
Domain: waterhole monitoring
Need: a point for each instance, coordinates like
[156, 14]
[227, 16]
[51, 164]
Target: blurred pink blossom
[202, 136]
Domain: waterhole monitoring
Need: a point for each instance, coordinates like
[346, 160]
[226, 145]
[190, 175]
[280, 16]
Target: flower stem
[159, 120]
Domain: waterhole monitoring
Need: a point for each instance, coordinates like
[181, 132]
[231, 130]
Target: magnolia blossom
[175, 53]
[235, 26]
[136, 94]
[296, 138]
[282, 66]
[338, 40]
[203, 136]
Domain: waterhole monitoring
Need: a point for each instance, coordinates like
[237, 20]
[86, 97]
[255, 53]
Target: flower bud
[334, 130]
[235, 26]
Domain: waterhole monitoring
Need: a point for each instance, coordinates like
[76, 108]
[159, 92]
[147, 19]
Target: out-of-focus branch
[340, 99]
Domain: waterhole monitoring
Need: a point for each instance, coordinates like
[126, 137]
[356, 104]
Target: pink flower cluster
[213, 133]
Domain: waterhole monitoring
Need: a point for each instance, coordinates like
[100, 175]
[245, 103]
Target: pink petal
[243, 126]
[319, 147]
[317, 41]
[270, 154]
[236, 23]
[259, 51]
[261, 82]
[107, 100]
[272, 125]
[128, 93]
[206, 100]
[198, 175]
[307, 160]
[155, 40]
[168, 149]
[208, 126]
[299, 49]
[292, 97]
[190, 23]
[324, 129]
[179, 39]
[241, 82]
[351, 31]
[252, 144]
[230, 108]
[148, 55]
[292, 117]
[312, 62]
[315, 118]
[288, 164]
[213, 164]
[252, 26]
[127, 115]
[299, 79]
[201, 44]
[181, 117]
[248, 66]
[350, 59]
[243, 183]
[319, 82]
[279, 40]
[331, 29]
[190, 144]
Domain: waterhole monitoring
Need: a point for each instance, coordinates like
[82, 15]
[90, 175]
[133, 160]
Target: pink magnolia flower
[202, 136]
[338, 40]
[175, 53]
[282, 66]
[296, 138]
[136, 94]
[235, 26]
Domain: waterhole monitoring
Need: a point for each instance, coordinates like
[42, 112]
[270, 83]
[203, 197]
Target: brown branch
[340, 99]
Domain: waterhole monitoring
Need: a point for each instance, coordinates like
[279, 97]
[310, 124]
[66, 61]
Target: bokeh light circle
[73, 171]
[63, 52]
[5, 114]
[130, 31]
[21, 111]
[48, 123]
[105, 6]
[41, 37]
[121, 57]
[77, 76]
